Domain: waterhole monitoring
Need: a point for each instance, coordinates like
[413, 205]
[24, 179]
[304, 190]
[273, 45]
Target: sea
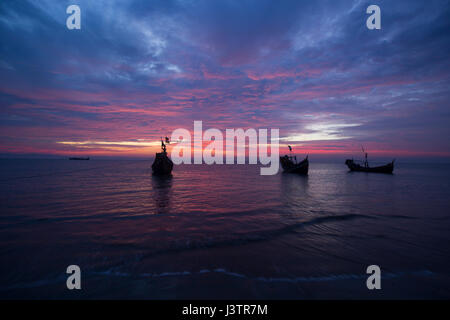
[222, 231]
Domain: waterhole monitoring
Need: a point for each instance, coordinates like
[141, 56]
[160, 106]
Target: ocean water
[222, 232]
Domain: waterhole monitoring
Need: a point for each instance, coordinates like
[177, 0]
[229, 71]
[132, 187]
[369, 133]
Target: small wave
[114, 273]
[325, 278]
[238, 239]
[35, 284]
[232, 239]
[23, 221]
[398, 216]
[337, 277]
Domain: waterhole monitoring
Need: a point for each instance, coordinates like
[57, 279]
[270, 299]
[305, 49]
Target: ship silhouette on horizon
[162, 165]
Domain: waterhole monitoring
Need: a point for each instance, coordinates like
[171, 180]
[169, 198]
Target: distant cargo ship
[78, 158]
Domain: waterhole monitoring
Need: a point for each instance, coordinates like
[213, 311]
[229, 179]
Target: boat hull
[290, 167]
[388, 168]
[162, 165]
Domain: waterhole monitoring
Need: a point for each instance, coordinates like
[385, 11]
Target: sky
[139, 69]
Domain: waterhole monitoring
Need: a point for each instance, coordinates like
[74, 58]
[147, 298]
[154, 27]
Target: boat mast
[366, 163]
[290, 154]
[163, 145]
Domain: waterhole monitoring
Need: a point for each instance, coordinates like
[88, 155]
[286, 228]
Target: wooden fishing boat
[353, 166]
[162, 165]
[290, 165]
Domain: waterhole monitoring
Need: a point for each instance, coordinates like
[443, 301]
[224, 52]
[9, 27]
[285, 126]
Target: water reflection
[162, 192]
[294, 191]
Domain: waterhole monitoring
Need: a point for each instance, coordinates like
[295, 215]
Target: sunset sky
[139, 69]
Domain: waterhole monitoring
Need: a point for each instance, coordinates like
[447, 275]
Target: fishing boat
[290, 164]
[78, 158]
[162, 165]
[354, 166]
[388, 168]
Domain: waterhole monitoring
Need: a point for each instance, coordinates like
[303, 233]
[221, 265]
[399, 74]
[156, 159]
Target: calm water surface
[222, 231]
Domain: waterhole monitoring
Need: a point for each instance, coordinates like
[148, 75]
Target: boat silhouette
[162, 165]
[354, 166]
[79, 158]
[290, 164]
